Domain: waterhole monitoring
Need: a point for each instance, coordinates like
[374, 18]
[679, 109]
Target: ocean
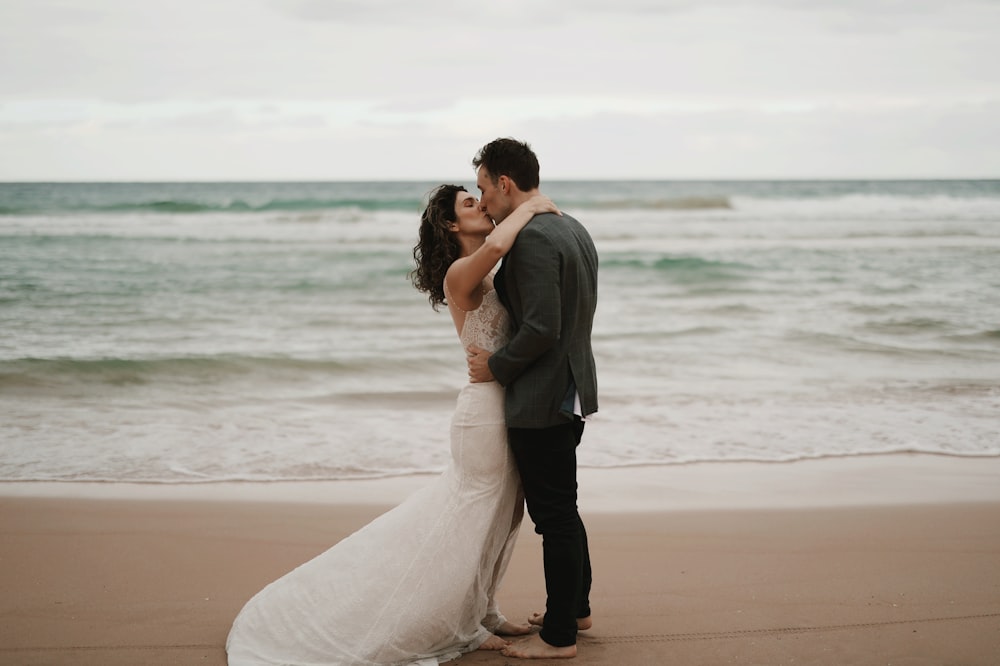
[206, 332]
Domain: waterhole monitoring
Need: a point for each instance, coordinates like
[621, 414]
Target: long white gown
[417, 584]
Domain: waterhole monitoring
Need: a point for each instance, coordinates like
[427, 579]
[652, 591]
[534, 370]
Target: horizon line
[102, 181]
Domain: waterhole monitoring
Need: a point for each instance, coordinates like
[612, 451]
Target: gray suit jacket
[548, 282]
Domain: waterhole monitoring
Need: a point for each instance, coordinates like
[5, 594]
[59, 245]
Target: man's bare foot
[582, 623]
[534, 647]
[494, 642]
[508, 628]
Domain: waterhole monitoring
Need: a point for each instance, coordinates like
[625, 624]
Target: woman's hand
[541, 204]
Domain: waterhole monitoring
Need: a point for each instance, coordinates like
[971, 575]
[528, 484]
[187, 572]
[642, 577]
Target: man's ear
[503, 182]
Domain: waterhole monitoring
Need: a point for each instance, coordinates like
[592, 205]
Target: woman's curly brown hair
[437, 248]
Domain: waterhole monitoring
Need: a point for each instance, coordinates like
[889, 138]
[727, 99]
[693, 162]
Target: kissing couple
[418, 584]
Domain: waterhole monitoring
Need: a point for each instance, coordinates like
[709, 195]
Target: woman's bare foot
[534, 647]
[508, 628]
[494, 642]
[582, 623]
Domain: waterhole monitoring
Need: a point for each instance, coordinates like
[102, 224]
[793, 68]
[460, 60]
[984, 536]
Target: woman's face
[472, 219]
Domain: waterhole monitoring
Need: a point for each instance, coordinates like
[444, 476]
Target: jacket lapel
[500, 283]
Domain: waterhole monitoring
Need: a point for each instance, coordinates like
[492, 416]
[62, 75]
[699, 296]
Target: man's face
[492, 198]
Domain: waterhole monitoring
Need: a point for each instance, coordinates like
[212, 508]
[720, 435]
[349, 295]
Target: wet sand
[906, 571]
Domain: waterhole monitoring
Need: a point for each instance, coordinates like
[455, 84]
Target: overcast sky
[410, 89]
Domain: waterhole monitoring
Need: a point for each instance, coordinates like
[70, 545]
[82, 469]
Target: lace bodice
[488, 326]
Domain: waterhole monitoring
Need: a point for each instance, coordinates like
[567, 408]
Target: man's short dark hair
[511, 158]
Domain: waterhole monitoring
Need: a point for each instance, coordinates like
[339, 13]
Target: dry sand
[905, 574]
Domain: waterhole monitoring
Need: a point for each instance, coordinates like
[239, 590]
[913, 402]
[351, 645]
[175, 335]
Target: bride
[417, 585]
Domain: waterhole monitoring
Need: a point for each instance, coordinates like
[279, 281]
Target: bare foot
[494, 642]
[582, 623]
[534, 647]
[508, 628]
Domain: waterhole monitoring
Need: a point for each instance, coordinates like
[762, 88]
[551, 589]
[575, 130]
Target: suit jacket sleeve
[534, 263]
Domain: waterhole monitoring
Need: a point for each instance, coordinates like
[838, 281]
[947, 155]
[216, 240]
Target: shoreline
[874, 560]
[99, 582]
[869, 480]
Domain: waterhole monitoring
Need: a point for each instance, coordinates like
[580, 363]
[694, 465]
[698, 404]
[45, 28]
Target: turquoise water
[195, 332]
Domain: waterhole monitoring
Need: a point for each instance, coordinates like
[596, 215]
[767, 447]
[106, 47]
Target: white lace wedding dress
[416, 585]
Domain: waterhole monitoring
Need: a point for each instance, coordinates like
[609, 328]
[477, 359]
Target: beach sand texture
[152, 581]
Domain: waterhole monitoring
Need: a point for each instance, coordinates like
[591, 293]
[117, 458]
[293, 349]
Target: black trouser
[546, 460]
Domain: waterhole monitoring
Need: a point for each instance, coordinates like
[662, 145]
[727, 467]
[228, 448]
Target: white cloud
[342, 88]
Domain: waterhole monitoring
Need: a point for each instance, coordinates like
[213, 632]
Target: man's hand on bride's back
[479, 366]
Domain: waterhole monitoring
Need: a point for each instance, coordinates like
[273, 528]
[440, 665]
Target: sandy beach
[880, 560]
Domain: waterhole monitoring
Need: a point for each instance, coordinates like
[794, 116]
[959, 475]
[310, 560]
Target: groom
[548, 282]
